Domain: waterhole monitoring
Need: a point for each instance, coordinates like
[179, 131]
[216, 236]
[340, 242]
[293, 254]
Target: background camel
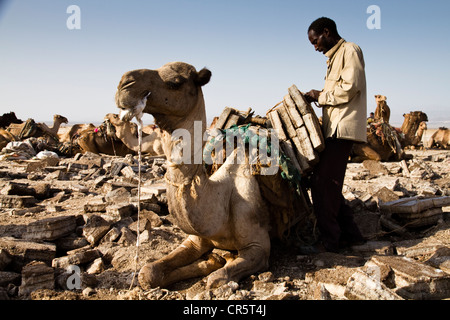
[411, 126]
[128, 133]
[440, 139]
[226, 210]
[382, 111]
[7, 118]
[67, 134]
[101, 139]
[386, 143]
[30, 129]
[5, 138]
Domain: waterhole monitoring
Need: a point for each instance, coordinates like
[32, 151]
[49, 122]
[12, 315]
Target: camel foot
[217, 278]
[151, 276]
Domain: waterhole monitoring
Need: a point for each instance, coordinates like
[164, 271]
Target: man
[344, 105]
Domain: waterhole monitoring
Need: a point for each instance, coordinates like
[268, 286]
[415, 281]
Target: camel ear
[203, 77]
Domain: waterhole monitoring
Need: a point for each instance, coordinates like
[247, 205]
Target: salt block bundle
[415, 211]
[295, 122]
[298, 129]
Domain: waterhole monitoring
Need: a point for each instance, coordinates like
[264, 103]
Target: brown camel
[226, 210]
[440, 139]
[386, 143]
[410, 127]
[382, 112]
[67, 134]
[127, 132]
[417, 140]
[7, 118]
[5, 138]
[101, 139]
[30, 129]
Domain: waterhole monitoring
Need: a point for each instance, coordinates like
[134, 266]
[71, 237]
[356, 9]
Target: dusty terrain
[106, 187]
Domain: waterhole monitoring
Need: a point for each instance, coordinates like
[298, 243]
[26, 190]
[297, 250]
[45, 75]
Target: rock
[440, 259]
[375, 167]
[127, 238]
[20, 189]
[96, 206]
[88, 292]
[155, 189]
[361, 286]
[374, 247]
[334, 280]
[8, 277]
[417, 249]
[95, 229]
[96, 267]
[385, 195]
[14, 201]
[56, 175]
[151, 216]
[415, 280]
[5, 259]
[111, 235]
[51, 228]
[145, 236]
[76, 258]
[144, 224]
[70, 243]
[36, 275]
[23, 251]
[266, 276]
[120, 210]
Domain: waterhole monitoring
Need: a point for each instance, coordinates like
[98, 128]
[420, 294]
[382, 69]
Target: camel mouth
[127, 114]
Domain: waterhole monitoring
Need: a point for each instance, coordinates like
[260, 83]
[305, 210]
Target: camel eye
[128, 83]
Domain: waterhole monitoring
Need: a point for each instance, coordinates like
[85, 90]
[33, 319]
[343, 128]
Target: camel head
[60, 119]
[416, 116]
[379, 98]
[169, 93]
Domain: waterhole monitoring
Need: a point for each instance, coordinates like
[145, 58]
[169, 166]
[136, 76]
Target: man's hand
[312, 96]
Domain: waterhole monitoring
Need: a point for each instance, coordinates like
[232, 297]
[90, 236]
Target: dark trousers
[334, 216]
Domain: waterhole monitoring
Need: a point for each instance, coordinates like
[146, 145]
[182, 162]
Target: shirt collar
[330, 53]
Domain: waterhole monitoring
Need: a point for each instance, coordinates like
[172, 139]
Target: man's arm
[349, 82]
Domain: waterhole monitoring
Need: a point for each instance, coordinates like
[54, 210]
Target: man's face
[321, 41]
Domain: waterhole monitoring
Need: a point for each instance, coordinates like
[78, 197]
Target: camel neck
[184, 147]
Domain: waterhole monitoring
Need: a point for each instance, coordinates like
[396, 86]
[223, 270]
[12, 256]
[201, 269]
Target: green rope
[288, 171]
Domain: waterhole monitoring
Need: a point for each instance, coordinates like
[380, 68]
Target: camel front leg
[250, 260]
[163, 272]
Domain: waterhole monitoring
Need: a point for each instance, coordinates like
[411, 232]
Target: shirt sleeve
[346, 83]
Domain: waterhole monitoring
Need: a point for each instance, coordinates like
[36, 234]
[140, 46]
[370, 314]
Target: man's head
[323, 34]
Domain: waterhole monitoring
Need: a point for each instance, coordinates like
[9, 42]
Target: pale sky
[256, 49]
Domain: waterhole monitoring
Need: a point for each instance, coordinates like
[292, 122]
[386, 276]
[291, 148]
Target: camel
[57, 121]
[410, 127]
[7, 118]
[67, 134]
[101, 139]
[5, 138]
[30, 129]
[127, 132]
[382, 111]
[417, 140]
[228, 210]
[386, 143]
[440, 139]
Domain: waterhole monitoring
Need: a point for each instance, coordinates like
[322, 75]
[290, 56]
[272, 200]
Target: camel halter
[195, 180]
